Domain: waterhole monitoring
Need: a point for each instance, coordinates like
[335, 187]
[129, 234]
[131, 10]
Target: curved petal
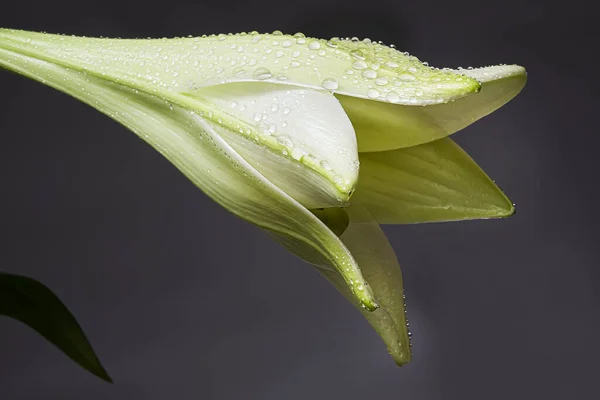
[433, 182]
[194, 147]
[300, 140]
[384, 126]
[379, 265]
[362, 69]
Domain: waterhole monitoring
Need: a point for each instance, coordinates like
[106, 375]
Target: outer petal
[385, 126]
[359, 69]
[433, 182]
[190, 143]
[379, 265]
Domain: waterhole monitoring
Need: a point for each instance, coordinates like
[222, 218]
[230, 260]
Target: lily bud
[274, 127]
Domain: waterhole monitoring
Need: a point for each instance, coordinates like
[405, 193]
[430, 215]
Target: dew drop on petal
[357, 54]
[297, 153]
[262, 73]
[393, 97]
[369, 74]
[330, 84]
[372, 93]
[407, 77]
[314, 45]
[325, 165]
[359, 65]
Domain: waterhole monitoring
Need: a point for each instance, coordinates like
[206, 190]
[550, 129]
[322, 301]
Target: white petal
[299, 139]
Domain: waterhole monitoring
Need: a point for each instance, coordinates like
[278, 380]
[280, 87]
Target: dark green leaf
[32, 303]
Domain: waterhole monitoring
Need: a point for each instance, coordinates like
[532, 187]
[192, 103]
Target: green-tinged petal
[362, 69]
[189, 141]
[300, 140]
[32, 303]
[384, 126]
[379, 265]
[433, 182]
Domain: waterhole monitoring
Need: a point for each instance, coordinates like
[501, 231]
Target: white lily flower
[274, 127]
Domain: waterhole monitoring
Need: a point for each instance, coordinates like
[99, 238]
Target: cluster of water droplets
[350, 66]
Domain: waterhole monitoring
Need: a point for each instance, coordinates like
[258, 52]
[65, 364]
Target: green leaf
[30, 302]
[383, 126]
[433, 182]
[379, 265]
[180, 133]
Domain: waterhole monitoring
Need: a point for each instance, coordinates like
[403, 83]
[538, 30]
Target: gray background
[184, 301]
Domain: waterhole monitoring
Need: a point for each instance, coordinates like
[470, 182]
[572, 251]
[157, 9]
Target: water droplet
[325, 165]
[294, 64]
[382, 81]
[357, 54]
[369, 74]
[419, 92]
[359, 65]
[262, 73]
[393, 97]
[297, 153]
[286, 43]
[407, 77]
[314, 45]
[285, 141]
[373, 93]
[330, 84]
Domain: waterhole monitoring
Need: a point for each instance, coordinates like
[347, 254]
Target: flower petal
[300, 140]
[384, 126]
[379, 265]
[194, 147]
[433, 182]
[362, 69]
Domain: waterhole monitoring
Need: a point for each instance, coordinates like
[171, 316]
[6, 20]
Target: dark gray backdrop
[184, 301]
